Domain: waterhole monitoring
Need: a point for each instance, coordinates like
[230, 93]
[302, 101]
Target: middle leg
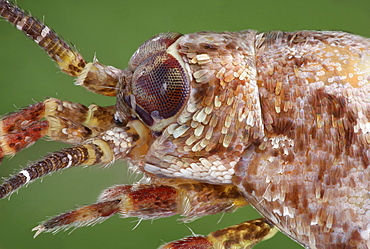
[191, 200]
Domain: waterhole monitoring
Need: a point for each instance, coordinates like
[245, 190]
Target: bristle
[80, 155]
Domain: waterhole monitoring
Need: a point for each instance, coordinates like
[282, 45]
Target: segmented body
[299, 127]
[309, 174]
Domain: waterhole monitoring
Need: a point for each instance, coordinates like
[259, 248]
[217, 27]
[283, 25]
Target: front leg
[94, 76]
[91, 129]
[63, 121]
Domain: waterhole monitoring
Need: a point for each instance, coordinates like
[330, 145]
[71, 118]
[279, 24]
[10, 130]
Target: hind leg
[243, 235]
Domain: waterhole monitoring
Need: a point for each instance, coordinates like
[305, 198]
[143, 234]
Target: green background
[113, 29]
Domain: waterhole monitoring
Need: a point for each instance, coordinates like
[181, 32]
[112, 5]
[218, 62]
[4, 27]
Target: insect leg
[150, 202]
[94, 151]
[60, 120]
[88, 154]
[93, 76]
[21, 129]
[243, 235]
[74, 123]
[69, 60]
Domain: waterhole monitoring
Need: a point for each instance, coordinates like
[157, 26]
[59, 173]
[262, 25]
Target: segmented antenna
[88, 154]
[68, 59]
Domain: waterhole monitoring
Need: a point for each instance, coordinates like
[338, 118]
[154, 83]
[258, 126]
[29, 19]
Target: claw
[39, 229]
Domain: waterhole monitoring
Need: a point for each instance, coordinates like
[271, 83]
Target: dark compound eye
[160, 87]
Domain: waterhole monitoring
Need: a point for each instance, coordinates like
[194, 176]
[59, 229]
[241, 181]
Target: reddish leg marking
[22, 129]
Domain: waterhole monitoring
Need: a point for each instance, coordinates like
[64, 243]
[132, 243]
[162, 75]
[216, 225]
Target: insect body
[215, 121]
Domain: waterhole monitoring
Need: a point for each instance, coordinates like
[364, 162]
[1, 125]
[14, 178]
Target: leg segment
[93, 76]
[73, 123]
[60, 120]
[150, 202]
[22, 129]
[86, 127]
[70, 61]
[243, 235]
[88, 154]
[99, 150]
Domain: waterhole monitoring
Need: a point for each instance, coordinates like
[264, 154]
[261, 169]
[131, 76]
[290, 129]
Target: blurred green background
[113, 29]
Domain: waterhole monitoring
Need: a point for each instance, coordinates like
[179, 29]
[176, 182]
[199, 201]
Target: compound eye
[160, 88]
